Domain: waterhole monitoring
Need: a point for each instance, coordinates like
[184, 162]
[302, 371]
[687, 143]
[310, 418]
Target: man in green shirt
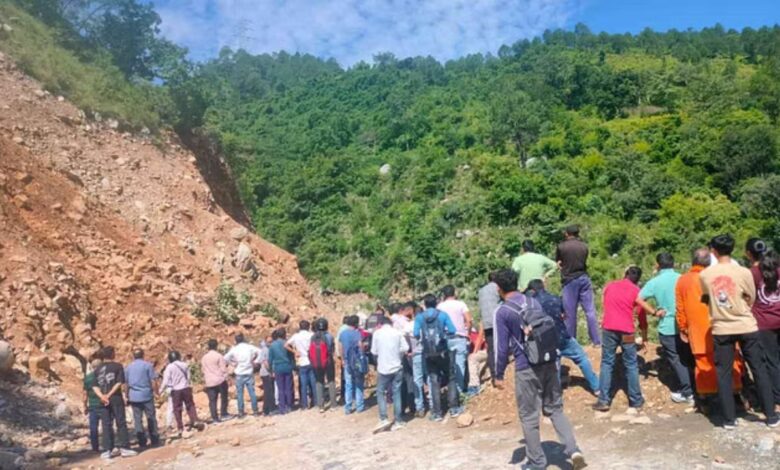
[531, 265]
[661, 289]
[92, 405]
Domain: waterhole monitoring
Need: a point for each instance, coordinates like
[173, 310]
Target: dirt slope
[107, 238]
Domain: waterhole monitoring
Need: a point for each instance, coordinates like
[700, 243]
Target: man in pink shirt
[618, 330]
[458, 345]
[215, 376]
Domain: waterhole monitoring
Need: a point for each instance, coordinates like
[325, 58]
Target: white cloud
[354, 30]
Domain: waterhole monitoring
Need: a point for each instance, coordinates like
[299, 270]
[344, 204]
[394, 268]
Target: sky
[355, 30]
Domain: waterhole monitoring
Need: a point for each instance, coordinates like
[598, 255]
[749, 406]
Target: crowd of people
[711, 321]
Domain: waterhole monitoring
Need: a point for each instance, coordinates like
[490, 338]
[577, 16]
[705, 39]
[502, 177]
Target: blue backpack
[356, 360]
[433, 337]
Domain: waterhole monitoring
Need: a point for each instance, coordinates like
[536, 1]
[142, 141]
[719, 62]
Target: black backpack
[541, 346]
[433, 337]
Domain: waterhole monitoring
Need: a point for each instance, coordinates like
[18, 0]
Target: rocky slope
[108, 238]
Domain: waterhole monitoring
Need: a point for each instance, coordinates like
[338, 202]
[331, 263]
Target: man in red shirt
[618, 330]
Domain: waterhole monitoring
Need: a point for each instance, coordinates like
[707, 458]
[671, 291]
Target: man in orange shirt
[693, 321]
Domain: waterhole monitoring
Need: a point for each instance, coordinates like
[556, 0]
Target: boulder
[465, 420]
[239, 233]
[61, 411]
[39, 366]
[10, 461]
[7, 357]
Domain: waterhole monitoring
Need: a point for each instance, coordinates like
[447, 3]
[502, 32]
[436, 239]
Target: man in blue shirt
[569, 347]
[140, 377]
[350, 340]
[537, 387]
[437, 366]
[662, 289]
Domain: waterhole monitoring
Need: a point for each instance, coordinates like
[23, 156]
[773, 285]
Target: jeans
[394, 381]
[94, 421]
[577, 292]
[218, 392]
[672, 347]
[613, 339]
[246, 381]
[770, 341]
[459, 349]
[139, 410]
[437, 369]
[183, 399]
[753, 352]
[114, 412]
[491, 354]
[418, 371]
[306, 383]
[284, 385]
[269, 395]
[537, 389]
[328, 375]
[353, 392]
[571, 349]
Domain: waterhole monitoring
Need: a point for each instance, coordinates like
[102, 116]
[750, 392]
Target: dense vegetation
[408, 173]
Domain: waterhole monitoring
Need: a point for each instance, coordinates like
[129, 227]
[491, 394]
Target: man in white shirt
[458, 345]
[298, 344]
[243, 357]
[389, 346]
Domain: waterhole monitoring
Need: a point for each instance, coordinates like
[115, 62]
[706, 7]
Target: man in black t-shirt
[110, 377]
[572, 259]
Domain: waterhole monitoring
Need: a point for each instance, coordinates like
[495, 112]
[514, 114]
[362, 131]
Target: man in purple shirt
[537, 387]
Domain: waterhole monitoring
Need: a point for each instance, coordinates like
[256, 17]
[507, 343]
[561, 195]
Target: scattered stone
[187, 435]
[385, 169]
[59, 447]
[465, 420]
[641, 420]
[599, 415]
[766, 444]
[34, 455]
[632, 411]
[24, 178]
[11, 461]
[235, 442]
[239, 233]
[39, 366]
[7, 357]
[624, 418]
[62, 411]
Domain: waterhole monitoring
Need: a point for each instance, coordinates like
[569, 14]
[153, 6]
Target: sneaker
[116, 453]
[398, 425]
[106, 455]
[322, 410]
[730, 425]
[348, 412]
[420, 414]
[455, 412]
[435, 418]
[127, 453]
[578, 461]
[773, 422]
[678, 397]
[472, 392]
[603, 407]
[383, 425]
[226, 418]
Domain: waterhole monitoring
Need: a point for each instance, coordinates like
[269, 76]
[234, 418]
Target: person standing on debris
[389, 346]
[215, 378]
[537, 387]
[267, 379]
[661, 288]
[531, 265]
[354, 365]
[140, 376]
[110, 379]
[321, 358]
[432, 328]
[568, 347]
[177, 377]
[730, 291]
[488, 300]
[693, 322]
[299, 344]
[92, 403]
[458, 344]
[618, 331]
[244, 356]
[281, 364]
[572, 258]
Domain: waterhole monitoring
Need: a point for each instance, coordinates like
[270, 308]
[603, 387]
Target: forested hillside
[408, 173]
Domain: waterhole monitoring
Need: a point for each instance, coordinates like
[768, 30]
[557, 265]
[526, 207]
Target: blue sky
[354, 30]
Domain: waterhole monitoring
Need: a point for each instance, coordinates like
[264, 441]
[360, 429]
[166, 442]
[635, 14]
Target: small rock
[766, 444]
[62, 411]
[34, 455]
[641, 420]
[11, 461]
[7, 357]
[235, 442]
[24, 178]
[39, 366]
[239, 233]
[465, 420]
[621, 418]
[187, 435]
[385, 169]
[632, 411]
[59, 447]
